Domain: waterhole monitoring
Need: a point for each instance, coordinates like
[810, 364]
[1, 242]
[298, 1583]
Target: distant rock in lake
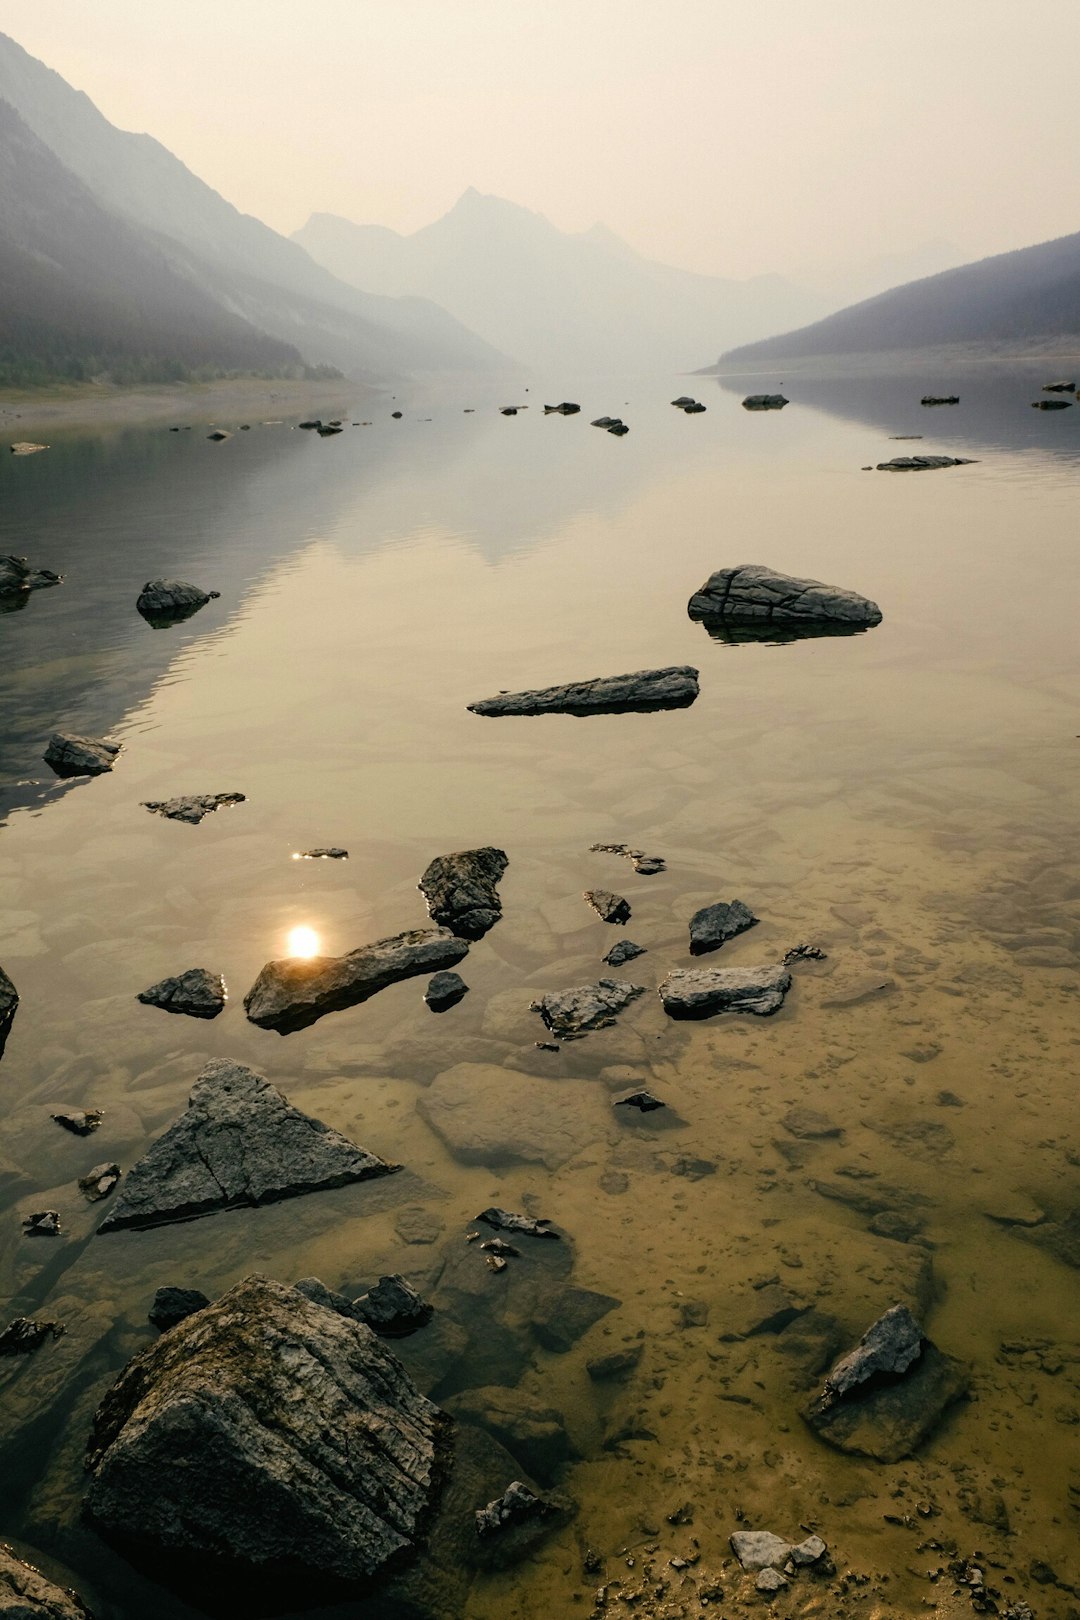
[192, 807]
[940, 399]
[923, 463]
[198, 992]
[567, 408]
[18, 579]
[80, 756]
[765, 402]
[24, 447]
[1051, 404]
[647, 690]
[751, 592]
[169, 601]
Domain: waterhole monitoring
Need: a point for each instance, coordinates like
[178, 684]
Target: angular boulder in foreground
[80, 756]
[701, 992]
[25, 1594]
[640, 693]
[270, 1444]
[167, 601]
[239, 1144]
[750, 591]
[292, 993]
[461, 890]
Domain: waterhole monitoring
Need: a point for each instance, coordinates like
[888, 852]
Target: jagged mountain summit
[551, 297]
[239, 264]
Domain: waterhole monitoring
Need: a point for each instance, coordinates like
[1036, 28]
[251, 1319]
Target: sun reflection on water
[303, 942]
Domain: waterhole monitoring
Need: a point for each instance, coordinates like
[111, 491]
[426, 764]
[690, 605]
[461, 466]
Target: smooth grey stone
[623, 950]
[240, 1143]
[752, 591]
[17, 578]
[610, 908]
[393, 1309]
[191, 807]
[25, 1594]
[572, 1013]
[765, 402]
[701, 992]
[712, 926]
[167, 601]
[923, 463]
[80, 756]
[890, 1345]
[445, 990]
[461, 890]
[198, 992]
[759, 1549]
[293, 992]
[173, 1305]
[642, 692]
[270, 1438]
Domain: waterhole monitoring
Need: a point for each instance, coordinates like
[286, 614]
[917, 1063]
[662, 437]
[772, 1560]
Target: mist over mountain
[239, 264]
[1029, 296]
[549, 297]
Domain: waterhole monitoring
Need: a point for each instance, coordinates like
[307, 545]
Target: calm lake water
[906, 799]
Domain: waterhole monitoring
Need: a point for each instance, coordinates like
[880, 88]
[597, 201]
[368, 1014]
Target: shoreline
[228, 401]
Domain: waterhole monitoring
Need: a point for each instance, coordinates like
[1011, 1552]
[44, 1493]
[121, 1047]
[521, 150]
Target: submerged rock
[22, 1337]
[638, 1098]
[515, 1506]
[174, 1305]
[167, 601]
[574, 1012]
[923, 463]
[17, 578]
[99, 1182]
[461, 890]
[80, 1121]
[191, 807]
[80, 756]
[444, 991]
[765, 402]
[393, 1309]
[292, 993]
[25, 1594]
[486, 1114]
[623, 950]
[534, 1435]
[701, 992]
[271, 1441]
[9, 1002]
[198, 992]
[240, 1143]
[752, 591]
[639, 693]
[712, 926]
[610, 908]
[504, 1220]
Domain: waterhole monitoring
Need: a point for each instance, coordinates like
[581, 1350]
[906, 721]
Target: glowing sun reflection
[303, 942]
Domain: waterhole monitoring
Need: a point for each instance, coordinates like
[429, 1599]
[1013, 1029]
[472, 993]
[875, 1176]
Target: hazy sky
[733, 136]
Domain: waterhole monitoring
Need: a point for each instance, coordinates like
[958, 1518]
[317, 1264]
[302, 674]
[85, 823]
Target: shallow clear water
[905, 798]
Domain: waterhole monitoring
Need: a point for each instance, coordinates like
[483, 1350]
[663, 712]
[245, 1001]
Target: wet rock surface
[328, 852]
[192, 807]
[461, 890]
[17, 578]
[25, 1594]
[197, 992]
[267, 1440]
[168, 601]
[173, 1305]
[752, 591]
[444, 991]
[703, 992]
[292, 993]
[923, 463]
[714, 925]
[25, 1335]
[642, 692]
[572, 1013]
[890, 1345]
[645, 865]
[69, 755]
[240, 1143]
[42, 1223]
[610, 908]
[393, 1309]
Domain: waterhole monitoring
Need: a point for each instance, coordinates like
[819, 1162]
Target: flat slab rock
[192, 807]
[641, 692]
[198, 992]
[272, 1435]
[25, 1594]
[17, 578]
[167, 601]
[69, 755]
[239, 1144]
[750, 591]
[713, 926]
[702, 992]
[292, 993]
[923, 463]
[461, 890]
[572, 1013]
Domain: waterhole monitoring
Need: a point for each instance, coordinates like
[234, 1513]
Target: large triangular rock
[239, 1144]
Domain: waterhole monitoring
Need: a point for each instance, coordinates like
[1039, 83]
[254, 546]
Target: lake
[906, 799]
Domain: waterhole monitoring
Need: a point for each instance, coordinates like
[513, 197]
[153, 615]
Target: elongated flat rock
[292, 993]
[80, 756]
[198, 992]
[647, 690]
[271, 1439]
[461, 890]
[191, 807]
[752, 591]
[922, 463]
[701, 992]
[240, 1143]
[571, 1013]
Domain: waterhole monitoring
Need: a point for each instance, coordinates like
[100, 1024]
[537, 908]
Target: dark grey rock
[623, 950]
[571, 1013]
[638, 1098]
[504, 1220]
[610, 908]
[890, 1345]
[25, 1594]
[616, 1364]
[1051, 404]
[174, 1305]
[218, 434]
[563, 1315]
[329, 429]
[99, 1182]
[682, 401]
[517, 1505]
[271, 1440]
[640, 693]
[79, 1121]
[701, 992]
[292, 993]
[889, 1419]
[9, 1002]
[240, 1143]
[445, 990]
[461, 890]
[713, 925]
[17, 578]
[765, 402]
[393, 1309]
[1059, 388]
[42, 1223]
[21, 1338]
[618, 428]
[922, 463]
[197, 992]
[534, 1435]
[567, 408]
[191, 807]
[933, 399]
[80, 756]
[508, 410]
[751, 591]
[167, 601]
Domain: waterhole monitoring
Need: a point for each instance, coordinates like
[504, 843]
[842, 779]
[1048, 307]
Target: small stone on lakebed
[445, 990]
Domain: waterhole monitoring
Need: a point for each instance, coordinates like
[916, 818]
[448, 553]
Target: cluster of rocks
[686, 403]
[613, 424]
[777, 1561]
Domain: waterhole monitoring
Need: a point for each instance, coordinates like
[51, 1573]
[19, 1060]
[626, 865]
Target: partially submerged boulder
[192, 807]
[623, 950]
[293, 992]
[640, 693]
[25, 1594]
[269, 1442]
[17, 578]
[393, 1309]
[167, 601]
[750, 591]
[99, 1182]
[701, 992]
[80, 756]
[765, 402]
[461, 890]
[239, 1143]
[1051, 404]
[198, 992]
[572, 1013]
[714, 925]
[923, 463]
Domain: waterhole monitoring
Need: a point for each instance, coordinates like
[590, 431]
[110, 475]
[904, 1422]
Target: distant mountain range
[240, 295]
[1028, 297]
[586, 302]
